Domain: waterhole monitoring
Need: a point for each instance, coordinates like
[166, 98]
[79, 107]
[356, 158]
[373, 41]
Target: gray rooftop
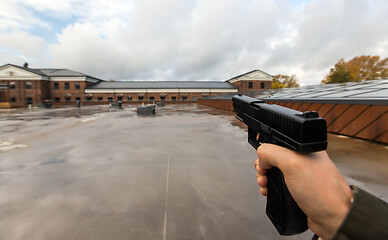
[371, 90]
[163, 85]
[53, 72]
[61, 73]
[363, 89]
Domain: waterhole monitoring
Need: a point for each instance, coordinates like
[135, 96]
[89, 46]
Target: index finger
[268, 155]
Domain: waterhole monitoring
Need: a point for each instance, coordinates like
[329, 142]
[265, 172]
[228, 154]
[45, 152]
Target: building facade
[252, 81]
[24, 86]
[168, 91]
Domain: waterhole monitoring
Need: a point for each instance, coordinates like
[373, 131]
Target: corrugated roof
[162, 85]
[370, 89]
[363, 89]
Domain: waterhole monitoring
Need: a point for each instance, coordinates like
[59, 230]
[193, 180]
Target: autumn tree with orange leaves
[358, 69]
[284, 81]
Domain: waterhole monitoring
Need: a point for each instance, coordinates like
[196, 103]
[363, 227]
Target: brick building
[252, 81]
[34, 86]
[128, 91]
[23, 86]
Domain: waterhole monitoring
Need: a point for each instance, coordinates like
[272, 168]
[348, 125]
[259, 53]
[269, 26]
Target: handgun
[299, 131]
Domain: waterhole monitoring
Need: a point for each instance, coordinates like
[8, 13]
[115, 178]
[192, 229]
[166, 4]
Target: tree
[284, 81]
[358, 69]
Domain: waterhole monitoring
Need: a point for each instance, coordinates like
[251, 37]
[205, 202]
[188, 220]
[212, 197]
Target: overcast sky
[191, 39]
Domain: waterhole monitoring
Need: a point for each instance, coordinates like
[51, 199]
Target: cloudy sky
[191, 39]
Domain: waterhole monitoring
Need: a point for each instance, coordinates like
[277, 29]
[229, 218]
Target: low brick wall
[368, 122]
[5, 105]
[221, 104]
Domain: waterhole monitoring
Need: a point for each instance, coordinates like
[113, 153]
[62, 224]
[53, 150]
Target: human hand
[313, 181]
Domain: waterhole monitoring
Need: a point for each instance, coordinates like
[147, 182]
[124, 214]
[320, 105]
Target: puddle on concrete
[101, 173]
[53, 161]
[11, 144]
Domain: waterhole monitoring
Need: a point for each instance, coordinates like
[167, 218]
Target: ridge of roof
[41, 71]
[249, 73]
[36, 71]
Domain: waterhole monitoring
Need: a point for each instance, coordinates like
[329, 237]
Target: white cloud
[22, 44]
[15, 16]
[201, 39]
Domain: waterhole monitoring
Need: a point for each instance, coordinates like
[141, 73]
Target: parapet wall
[363, 121]
[216, 103]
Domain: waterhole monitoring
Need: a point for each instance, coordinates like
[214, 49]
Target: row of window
[27, 85]
[56, 85]
[67, 85]
[250, 85]
[29, 100]
[110, 99]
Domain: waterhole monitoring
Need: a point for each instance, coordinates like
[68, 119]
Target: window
[77, 86]
[184, 98]
[173, 99]
[100, 99]
[67, 99]
[250, 84]
[12, 85]
[110, 99]
[29, 100]
[140, 98]
[129, 98]
[262, 85]
[120, 99]
[56, 85]
[78, 99]
[89, 99]
[152, 98]
[163, 98]
[195, 99]
[57, 99]
[28, 85]
[67, 85]
[13, 99]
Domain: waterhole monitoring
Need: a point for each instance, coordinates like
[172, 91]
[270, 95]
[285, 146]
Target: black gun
[299, 131]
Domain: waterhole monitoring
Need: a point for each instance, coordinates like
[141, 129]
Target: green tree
[358, 69]
[284, 81]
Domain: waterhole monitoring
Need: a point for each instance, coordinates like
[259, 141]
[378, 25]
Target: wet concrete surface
[186, 173]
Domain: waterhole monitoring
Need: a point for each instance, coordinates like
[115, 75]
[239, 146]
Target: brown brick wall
[3, 95]
[221, 104]
[243, 86]
[72, 92]
[20, 93]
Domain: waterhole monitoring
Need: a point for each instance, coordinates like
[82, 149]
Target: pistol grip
[281, 208]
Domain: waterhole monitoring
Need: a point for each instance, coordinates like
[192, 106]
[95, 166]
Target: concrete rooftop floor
[187, 173]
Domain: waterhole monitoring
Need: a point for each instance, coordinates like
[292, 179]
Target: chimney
[25, 65]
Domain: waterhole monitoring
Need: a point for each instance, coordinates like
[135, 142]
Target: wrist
[342, 210]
